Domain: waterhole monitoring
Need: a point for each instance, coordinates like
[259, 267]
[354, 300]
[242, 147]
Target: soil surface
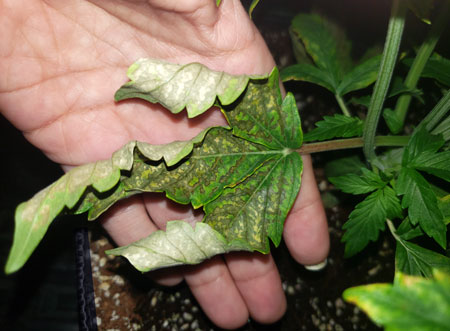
[128, 300]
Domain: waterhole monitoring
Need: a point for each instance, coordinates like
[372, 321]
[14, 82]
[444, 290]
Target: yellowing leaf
[192, 86]
[412, 303]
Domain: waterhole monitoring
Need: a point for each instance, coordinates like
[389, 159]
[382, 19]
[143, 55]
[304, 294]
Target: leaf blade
[335, 126]
[176, 87]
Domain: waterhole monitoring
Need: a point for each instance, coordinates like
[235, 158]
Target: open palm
[62, 61]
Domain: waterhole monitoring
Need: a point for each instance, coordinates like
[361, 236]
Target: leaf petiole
[337, 144]
[342, 105]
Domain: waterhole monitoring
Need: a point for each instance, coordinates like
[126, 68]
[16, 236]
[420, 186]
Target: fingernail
[317, 267]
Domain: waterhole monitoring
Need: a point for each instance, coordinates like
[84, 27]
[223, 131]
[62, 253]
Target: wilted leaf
[191, 86]
[411, 303]
[336, 126]
[264, 128]
[179, 244]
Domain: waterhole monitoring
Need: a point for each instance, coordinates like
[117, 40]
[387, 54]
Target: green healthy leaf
[179, 244]
[363, 101]
[421, 142]
[422, 205]
[412, 259]
[256, 209]
[390, 161]
[264, 118]
[411, 303]
[443, 128]
[306, 72]
[443, 202]
[435, 164]
[191, 86]
[407, 232]
[366, 182]
[437, 67]
[325, 43]
[336, 126]
[369, 218]
[394, 123]
[361, 76]
[344, 166]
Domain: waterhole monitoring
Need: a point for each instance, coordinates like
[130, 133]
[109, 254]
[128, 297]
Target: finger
[127, 222]
[257, 279]
[305, 231]
[215, 291]
[162, 210]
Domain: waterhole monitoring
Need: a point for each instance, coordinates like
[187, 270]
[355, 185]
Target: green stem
[342, 104]
[389, 57]
[393, 229]
[332, 145]
[419, 63]
[435, 116]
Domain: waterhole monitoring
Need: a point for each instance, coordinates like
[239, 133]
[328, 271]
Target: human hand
[62, 61]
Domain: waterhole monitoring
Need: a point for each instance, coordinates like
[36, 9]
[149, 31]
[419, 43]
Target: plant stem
[393, 229]
[419, 63]
[332, 145]
[342, 104]
[435, 116]
[389, 57]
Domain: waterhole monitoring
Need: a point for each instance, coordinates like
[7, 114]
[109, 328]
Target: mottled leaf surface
[192, 86]
[411, 303]
[217, 161]
[256, 209]
[179, 244]
[264, 118]
[197, 171]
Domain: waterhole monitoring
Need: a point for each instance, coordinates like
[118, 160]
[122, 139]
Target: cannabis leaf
[336, 126]
[418, 195]
[369, 218]
[314, 37]
[256, 209]
[179, 244]
[249, 212]
[411, 303]
[192, 86]
[256, 157]
[362, 183]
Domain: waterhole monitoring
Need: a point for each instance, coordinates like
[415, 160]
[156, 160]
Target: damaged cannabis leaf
[246, 177]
